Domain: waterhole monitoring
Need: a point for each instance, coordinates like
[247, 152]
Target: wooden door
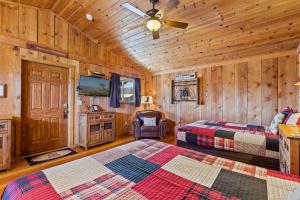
[44, 102]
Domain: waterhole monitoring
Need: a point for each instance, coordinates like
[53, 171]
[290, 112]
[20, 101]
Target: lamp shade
[147, 100]
[297, 84]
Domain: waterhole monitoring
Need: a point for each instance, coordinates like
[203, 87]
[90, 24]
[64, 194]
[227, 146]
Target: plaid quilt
[243, 138]
[149, 169]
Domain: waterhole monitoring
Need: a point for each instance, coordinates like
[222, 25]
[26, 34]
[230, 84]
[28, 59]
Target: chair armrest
[136, 123]
[162, 127]
[162, 122]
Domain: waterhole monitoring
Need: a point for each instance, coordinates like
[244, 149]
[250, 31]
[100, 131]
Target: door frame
[73, 97]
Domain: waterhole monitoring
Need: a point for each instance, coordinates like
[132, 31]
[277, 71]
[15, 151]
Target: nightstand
[289, 145]
[5, 142]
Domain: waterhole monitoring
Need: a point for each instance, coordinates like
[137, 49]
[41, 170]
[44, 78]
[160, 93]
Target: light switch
[79, 102]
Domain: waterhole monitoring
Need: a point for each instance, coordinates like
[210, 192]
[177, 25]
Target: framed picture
[2, 90]
[186, 90]
[147, 100]
[94, 108]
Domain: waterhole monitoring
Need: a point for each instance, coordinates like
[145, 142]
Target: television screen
[93, 86]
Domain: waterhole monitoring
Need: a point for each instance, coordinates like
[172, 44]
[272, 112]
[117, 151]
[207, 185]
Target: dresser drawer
[108, 116]
[94, 138]
[3, 126]
[95, 117]
[107, 136]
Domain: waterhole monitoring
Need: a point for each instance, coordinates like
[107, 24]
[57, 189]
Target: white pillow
[293, 118]
[150, 121]
[295, 195]
[278, 118]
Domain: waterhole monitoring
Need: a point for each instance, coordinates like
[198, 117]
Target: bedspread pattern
[148, 169]
[242, 138]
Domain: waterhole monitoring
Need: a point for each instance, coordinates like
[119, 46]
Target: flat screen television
[93, 86]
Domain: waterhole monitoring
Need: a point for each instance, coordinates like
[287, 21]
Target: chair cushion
[149, 113]
[149, 121]
[150, 128]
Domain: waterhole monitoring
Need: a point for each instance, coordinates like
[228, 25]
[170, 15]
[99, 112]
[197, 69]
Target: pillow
[278, 118]
[150, 121]
[294, 195]
[287, 112]
[293, 119]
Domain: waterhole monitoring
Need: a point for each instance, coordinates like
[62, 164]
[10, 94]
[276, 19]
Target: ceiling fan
[154, 18]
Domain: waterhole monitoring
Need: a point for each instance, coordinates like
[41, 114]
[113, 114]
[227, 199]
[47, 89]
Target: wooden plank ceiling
[218, 29]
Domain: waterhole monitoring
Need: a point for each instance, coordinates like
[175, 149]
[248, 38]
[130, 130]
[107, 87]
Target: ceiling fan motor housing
[154, 1]
[152, 12]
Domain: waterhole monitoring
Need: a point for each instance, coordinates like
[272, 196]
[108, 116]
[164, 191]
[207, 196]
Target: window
[127, 90]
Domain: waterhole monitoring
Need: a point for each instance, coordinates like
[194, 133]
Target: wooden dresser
[289, 146]
[96, 128]
[5, 142]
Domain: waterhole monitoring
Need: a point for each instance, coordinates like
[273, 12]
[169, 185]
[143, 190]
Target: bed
[242, 138]
[149, 169]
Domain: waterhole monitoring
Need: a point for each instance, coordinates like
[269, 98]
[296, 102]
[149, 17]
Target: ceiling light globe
[153, 24]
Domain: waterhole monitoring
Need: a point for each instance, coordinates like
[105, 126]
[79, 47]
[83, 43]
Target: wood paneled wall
[20, 24]
[246, 92]
[41, 26]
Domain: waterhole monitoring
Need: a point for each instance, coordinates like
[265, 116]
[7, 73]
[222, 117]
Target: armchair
[141, 131]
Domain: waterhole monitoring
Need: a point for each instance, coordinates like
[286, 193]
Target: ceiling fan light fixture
[153, 25]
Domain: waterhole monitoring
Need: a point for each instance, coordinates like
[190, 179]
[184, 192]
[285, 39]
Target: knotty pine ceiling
[218, 29]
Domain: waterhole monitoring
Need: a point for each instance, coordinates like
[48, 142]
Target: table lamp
[147, 101]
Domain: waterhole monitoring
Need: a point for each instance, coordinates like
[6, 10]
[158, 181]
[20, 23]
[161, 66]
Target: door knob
[66, 111]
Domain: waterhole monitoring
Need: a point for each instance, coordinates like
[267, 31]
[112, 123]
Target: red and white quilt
[243, 138]
[149, 169]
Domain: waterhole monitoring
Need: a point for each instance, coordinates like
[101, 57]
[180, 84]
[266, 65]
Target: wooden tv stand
[96, 128]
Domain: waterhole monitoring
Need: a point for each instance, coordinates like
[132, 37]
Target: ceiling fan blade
[130, 28]
[155, 35]
[135, 10]
[176, 24]
[170, 5]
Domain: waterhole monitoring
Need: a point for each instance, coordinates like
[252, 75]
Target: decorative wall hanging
[187, 76]
[47, 50]
[186, 89]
